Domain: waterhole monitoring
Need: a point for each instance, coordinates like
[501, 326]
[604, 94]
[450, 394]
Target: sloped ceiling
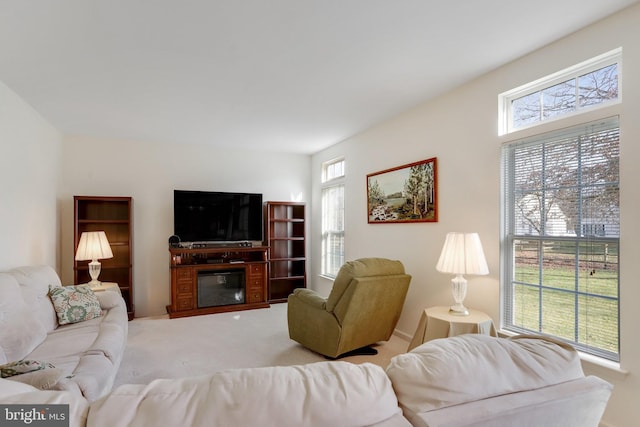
[281, 75]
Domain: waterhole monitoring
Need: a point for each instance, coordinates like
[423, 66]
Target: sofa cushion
[319, 394]
[20, 334]
[45, 379]
[91, 372]
[74, 304]
[34, 281]
[105, 335]
[68, 341]
[9, 388]
[466, 368]
[575, 403]
[12, 392]
[20, 330]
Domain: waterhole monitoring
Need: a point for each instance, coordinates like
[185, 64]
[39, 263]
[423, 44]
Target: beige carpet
[160, 347]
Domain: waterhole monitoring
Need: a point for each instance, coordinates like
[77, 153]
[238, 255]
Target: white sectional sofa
[323, 394]
[483, 381]
[86, 354]
[465, 381]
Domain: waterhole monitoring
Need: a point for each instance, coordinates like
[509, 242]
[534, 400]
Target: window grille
[561, 229]
[333, 173]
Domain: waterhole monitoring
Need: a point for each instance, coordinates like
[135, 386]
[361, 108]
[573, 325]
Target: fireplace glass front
[220, 287]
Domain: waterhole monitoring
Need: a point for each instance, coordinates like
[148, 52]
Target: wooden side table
[106, 286]
[437, 322]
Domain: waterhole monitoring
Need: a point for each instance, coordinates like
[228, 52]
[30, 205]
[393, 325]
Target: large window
[591, 83]
[332, 217]
[561, 236]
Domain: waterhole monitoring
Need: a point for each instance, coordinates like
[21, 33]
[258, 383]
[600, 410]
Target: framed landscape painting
[407, 193]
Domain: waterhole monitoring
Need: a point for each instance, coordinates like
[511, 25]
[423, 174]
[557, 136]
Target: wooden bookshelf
[285, 237]
[113, 215]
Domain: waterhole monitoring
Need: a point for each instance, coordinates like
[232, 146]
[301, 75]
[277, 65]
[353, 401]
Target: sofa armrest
[311, 298]
[108, 300]
[576, 403]
[23, 394]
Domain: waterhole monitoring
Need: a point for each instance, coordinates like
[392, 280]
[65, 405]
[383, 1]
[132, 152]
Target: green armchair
[363, 308]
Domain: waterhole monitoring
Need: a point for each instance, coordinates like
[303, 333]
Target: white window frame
[510, 235]
[333, 178]
[505, 99]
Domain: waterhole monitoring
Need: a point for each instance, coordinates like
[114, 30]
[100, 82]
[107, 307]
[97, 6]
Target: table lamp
[461, 254]
[93, 246]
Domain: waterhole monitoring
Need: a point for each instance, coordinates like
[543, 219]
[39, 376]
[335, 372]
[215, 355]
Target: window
[591, 83]
[561, 229]
[332, 217]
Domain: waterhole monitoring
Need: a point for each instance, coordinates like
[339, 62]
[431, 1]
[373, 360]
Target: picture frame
[407, 193]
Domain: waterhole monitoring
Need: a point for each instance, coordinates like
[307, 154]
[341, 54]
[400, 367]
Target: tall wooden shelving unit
[285, 237]
[113, 215]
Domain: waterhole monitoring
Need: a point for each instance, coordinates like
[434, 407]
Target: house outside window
[333, 176]
[560, 235]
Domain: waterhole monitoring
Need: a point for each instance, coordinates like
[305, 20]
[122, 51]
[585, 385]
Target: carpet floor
[159, 347]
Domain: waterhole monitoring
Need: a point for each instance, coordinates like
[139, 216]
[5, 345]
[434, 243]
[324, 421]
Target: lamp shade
[462, 254]
[93, 245]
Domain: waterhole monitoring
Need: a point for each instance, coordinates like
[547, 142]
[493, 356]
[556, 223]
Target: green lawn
[597, 315]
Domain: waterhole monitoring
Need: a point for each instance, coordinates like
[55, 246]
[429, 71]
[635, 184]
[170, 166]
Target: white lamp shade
[462, 254]
[93, 245]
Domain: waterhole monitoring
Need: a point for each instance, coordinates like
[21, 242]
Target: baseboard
[402, 335]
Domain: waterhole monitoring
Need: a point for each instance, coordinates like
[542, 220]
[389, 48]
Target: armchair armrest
[311, 298]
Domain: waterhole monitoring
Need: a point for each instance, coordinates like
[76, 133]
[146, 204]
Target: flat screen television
[207, 216]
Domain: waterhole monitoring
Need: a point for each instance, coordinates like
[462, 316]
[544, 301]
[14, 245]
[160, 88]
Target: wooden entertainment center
[187, 264]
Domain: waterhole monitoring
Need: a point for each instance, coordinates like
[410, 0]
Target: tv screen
[205, 216]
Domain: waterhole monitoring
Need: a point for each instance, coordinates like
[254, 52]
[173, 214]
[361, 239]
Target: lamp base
[94, 272]
[459, 290]
[458, 310]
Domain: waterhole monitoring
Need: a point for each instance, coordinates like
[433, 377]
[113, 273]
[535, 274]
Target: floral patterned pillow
[74, 304]
[42, 375]
[22, 367]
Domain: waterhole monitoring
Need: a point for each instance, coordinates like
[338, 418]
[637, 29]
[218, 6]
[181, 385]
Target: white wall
[29, 164]
[460, 129]
[149, 172]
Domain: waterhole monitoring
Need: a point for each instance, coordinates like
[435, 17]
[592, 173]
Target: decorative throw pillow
[23, 367]
[42, 375]
[74, 304]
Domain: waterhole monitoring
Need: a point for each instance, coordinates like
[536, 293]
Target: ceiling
[279, 75]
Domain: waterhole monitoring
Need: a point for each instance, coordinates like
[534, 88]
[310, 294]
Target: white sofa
[323, 394]
[86, 354]
[483, 381]
[465, 381]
